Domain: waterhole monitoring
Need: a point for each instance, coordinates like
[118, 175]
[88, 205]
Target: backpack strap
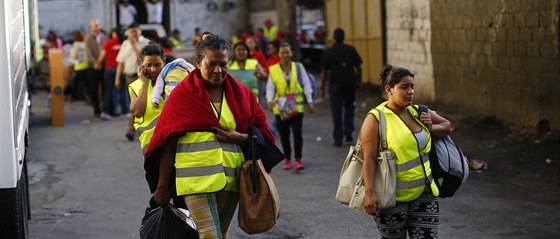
[298, 70]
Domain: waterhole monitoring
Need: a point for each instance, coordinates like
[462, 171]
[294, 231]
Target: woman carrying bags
[409, 137]
[202, 140]
[283, 85]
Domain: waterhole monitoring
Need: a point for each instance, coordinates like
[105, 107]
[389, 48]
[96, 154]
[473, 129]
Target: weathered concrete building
[488, 57]
[219, 16]
[502, 58]
[496, 57]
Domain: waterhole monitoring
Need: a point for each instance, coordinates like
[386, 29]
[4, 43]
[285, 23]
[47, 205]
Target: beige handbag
[351, 189]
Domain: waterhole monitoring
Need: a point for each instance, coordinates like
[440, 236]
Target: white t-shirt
[126, 14]
[127, 56]
[155, 12]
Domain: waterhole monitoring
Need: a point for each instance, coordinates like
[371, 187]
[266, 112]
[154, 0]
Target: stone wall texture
[491, 58]
[498, 58]
[408, 33]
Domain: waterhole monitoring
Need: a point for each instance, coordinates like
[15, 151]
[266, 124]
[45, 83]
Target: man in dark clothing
[342, 69]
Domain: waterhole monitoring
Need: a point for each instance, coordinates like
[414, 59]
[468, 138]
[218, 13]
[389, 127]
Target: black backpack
[448, 163]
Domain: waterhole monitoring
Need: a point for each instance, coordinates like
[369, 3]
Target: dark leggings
[420, 217]
[296, 124]
[94, 78]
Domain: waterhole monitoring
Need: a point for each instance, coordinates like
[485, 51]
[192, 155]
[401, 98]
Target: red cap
[268, 21]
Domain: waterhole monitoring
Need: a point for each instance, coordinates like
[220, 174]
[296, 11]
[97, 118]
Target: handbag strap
[382, 130]
[382, 134]
[253, 150]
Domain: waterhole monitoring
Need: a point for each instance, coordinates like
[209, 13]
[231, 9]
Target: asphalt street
[87, 181]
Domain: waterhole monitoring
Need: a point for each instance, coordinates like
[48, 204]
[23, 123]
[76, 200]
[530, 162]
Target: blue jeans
[110, 105]
[342, 97]
[122, 97]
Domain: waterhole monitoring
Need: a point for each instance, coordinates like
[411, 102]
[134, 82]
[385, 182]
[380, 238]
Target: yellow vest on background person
[250, 64]
[83, 65]
[282, 87]
[177, 43]
[234, 39]
[146, 124]
[272, 33]
[411, 175]
[204, 164]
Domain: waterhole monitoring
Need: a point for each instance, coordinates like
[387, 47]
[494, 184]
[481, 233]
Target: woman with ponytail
[409, 135]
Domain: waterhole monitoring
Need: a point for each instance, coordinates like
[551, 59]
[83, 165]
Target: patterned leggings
[212, 212]
[420, 217]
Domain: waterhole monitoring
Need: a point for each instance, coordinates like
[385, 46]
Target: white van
[16, 23]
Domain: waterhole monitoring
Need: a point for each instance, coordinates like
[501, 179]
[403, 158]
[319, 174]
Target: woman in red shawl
[198, 140]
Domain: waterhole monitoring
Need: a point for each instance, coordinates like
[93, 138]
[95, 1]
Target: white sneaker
[128, 115]
[105, 116]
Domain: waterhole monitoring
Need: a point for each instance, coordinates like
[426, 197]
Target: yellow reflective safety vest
[250, 64]
[146, 124]
[204, 164]
[413, 164]
[282, 87]
[83, 65]
[177, 43]
[272, 33]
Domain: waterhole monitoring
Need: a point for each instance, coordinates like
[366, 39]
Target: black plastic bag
[168, 222]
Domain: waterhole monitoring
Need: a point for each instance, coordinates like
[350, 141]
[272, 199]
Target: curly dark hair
[210, 41]
[152, 49]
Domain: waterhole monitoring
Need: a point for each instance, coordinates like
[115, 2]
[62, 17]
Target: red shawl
[188, 109]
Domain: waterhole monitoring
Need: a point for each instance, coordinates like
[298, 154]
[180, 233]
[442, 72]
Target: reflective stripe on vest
[207, 170]
[412, 163]
[146, 124]
[250, 64]
[208, 145]
[205, 165]
[282, 87]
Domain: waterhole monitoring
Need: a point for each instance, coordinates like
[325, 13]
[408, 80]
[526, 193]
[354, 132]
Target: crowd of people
[193, 152]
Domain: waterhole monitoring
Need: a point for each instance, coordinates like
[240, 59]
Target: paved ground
[87, 181]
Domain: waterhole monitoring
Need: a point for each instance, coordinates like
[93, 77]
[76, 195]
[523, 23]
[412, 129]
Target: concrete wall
[67, 16]
[409, 32]
[498, 58]
[187, 15]
[273, 9]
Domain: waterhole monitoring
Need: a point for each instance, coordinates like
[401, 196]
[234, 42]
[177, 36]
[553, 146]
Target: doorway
[142, 13]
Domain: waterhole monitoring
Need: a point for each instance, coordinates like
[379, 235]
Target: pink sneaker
[299, 164]
[287, 164]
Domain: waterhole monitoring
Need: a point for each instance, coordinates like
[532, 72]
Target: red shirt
[112, 47]
[259, 56]
[271, 61]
